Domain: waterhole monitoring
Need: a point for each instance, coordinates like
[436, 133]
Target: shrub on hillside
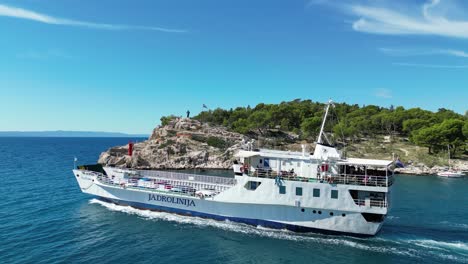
[216, 142]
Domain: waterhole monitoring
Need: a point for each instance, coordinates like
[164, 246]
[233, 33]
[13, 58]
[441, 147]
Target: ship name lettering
[170, 199]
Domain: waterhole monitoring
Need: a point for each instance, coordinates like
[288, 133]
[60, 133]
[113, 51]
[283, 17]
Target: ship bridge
[302, 166]
[276, 162]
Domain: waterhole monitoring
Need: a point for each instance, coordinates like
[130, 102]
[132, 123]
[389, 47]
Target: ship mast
[319, 140]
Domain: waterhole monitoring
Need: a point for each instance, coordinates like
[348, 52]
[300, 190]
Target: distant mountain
[60, 133]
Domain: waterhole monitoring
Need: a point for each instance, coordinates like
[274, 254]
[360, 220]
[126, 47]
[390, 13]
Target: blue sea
[44, 218]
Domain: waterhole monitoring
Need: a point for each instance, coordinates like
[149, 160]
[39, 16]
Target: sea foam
[363, 244]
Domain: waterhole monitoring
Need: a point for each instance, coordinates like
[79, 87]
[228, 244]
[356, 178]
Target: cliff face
[182, 144]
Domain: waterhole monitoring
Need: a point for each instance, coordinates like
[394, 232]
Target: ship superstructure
[299, 191]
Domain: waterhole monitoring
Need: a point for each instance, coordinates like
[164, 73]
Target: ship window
[314, 211]
[299, 191]
[343, 215]
[331, 213]
[316, 192]
[282, 189]
[320, 212]
[252, 185]
[302, 210]
[334, 194]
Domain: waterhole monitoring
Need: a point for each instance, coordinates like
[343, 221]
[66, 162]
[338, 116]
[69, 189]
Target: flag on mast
[204, 106]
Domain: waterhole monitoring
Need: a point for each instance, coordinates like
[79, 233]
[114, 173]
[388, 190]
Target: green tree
[303, 115]
[445, 114]
[284, 124]
[259, 120]
[438, 136]
[465, 130]
[411, 125]
[414, 124]
[216, 142]
[345, 131]
[452, 134]
[166, 119]
[310, 127]
[429, 137]
[241, 126]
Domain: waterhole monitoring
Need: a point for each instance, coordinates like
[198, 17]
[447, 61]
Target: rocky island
[181, 144]
[186, 143]
[210, 139]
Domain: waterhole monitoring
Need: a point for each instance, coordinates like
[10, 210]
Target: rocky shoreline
[424, 170]
[182, 144]
[189, 144]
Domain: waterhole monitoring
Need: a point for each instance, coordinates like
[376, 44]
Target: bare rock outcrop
[181, 144]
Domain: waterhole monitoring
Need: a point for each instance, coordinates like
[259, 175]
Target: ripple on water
[44, 218]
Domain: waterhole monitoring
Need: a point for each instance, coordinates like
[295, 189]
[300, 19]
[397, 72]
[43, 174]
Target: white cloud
[419, 52]
[9, 11]
[383, 93]
[458, 53]
[381, 20]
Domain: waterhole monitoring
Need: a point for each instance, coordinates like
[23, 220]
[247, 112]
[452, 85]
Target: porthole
[320, 212]
[302, 210]
[331, 213]
[314, 211]
[343, 215]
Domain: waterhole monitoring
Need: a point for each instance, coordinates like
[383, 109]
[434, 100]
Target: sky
[119, 65]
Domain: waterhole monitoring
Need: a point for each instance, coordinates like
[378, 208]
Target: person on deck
[291, 172]
[188, 113]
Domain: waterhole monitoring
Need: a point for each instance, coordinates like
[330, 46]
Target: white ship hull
[264, 207]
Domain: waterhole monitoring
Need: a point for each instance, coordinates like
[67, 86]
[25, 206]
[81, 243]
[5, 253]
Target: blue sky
[119, 65]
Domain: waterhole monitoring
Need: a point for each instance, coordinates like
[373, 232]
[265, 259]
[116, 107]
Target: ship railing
[371, 203]
[363, 180]
[169, 175]
[284, 175]
[185, 187]
[91, 173]
[348, 179]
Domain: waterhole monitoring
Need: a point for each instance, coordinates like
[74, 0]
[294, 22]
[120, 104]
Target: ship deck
[347, 179]
[167, 181]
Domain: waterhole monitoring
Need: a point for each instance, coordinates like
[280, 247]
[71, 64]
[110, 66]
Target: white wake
[377, 244]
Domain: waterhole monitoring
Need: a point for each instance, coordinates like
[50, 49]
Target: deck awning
[272, 155]
[246, 154]
[365, 162]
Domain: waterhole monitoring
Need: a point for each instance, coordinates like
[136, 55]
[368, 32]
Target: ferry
[300, 191]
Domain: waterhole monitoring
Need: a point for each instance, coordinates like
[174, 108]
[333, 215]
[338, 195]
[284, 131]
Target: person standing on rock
[188, 113]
